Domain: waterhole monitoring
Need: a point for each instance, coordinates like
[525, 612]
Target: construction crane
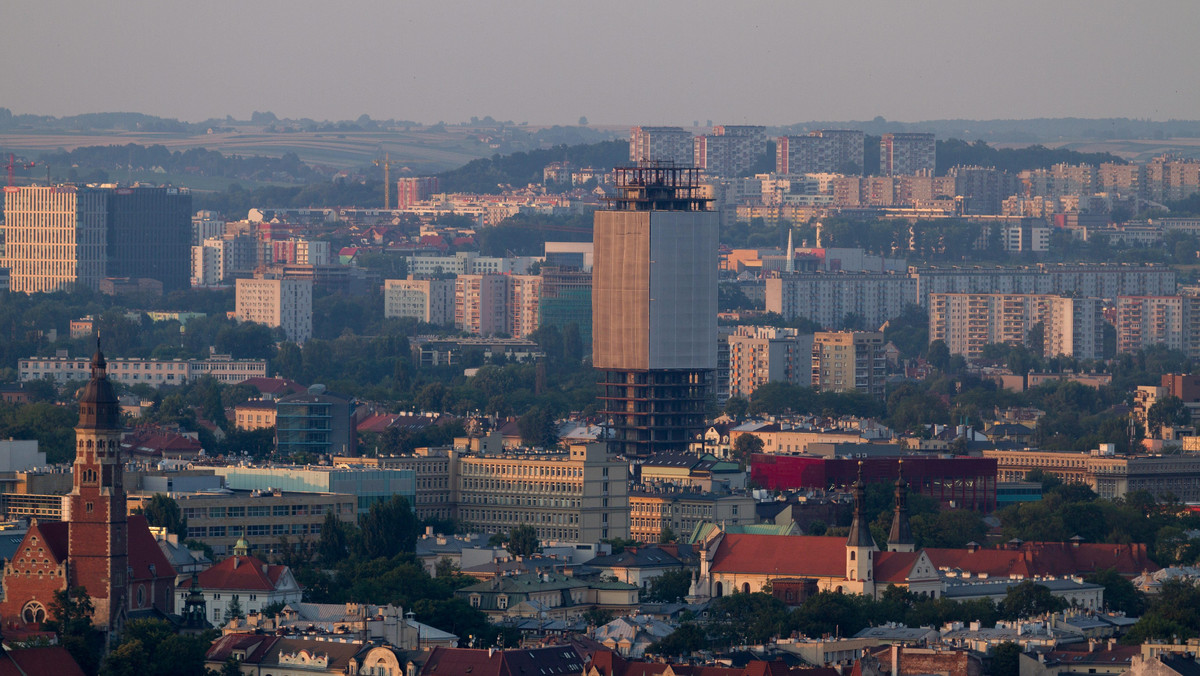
[13, 165]
[387, 181]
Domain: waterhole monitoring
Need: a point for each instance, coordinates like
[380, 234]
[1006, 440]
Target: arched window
[745, 587]
[852, 555]
[33, 613]
[720, 590]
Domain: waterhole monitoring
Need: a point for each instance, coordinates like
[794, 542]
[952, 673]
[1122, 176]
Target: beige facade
[651, 512]
[759, 355]
[426, 300]
[849, 360]
[1111, 476]
[255, 414]
[581, 495]
[967, 322]
[286, 303]
[1143, 321]
[54, 238]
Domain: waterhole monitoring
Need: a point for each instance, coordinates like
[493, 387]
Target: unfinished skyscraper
[654, 311]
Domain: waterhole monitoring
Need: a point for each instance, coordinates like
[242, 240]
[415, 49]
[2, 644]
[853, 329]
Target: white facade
[145, 371]
[286, 303]
[206, 225]
[827, 297]
[426, 300]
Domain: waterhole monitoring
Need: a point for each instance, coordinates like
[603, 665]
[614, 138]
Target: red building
[96, 546]
[965, 482]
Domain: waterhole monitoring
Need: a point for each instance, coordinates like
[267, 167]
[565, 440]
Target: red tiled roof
[273, 385]
[256, 646]
[791, 555]
[47, 660]
[245, 573]
[894, 566]
[145, 552]
[551, 660]
[1047, 558]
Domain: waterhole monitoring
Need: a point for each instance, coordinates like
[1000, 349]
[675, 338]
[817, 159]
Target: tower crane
[13, 165]
[386, 163]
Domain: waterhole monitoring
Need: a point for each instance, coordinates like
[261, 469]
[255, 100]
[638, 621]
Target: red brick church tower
[98, 546]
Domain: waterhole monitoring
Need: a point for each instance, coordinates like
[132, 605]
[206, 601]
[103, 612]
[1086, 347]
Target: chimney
[264, 569]
[429, 530]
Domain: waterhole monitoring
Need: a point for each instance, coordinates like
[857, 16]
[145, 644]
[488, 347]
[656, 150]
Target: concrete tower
[95, 507]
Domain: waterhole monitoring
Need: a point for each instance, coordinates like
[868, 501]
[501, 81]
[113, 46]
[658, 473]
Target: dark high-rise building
[150, 235]
[654, 309]
[566, 299]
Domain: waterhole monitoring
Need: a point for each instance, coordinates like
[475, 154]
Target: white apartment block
[759, 355]
[145, 371]
[1072, 327]
[827, 297]
[907, 153]
[1087, 280]
[524, 302]
[286, 303]
[55, 238]
[729, 150]
[488, 304]
[426, 300]
[467, 263]
[208, 263]
[661, 144]
[1143, 321]
[821, 152]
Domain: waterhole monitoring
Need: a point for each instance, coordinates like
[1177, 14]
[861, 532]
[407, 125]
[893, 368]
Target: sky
[619, 63]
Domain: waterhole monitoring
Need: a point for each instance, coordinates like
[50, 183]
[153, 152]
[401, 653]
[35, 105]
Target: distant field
[421, 152]
[1134, 150]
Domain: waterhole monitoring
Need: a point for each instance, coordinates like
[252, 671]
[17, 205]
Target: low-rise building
[367, 485]
[132, 371]
[243, 584]
[655, 510]
[1110, 475]
[548, 596]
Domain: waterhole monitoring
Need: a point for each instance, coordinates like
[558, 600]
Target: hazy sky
[641, 62]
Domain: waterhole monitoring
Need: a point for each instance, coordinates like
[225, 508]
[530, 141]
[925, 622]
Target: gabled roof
[145, 553]
[244, 573]
[894, 566]
[254, 646]
[56, 535]
[550, 661]
[787, 555]
[45, 660]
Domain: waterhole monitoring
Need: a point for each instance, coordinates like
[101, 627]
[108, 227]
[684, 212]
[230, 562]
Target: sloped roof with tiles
[246, 573]
[794, 555]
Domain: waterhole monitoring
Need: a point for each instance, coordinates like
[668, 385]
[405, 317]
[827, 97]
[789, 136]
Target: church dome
[98, 407]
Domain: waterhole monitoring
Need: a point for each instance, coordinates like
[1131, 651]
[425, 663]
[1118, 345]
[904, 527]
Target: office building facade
[654, 314]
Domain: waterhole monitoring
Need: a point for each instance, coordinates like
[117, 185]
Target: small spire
[900, 538]
[791, 254]
[860, 530]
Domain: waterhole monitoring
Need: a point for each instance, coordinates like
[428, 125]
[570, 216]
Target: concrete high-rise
[654, 311]
[286, 303]
[907, 153]
[660, 144]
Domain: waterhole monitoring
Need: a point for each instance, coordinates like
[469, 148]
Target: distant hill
[486, 175]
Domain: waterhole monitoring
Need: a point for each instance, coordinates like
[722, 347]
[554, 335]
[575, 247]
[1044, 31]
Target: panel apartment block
[828, 297]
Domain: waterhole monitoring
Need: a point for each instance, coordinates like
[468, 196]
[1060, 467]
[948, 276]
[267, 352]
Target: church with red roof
[96, 546]
[741, 563]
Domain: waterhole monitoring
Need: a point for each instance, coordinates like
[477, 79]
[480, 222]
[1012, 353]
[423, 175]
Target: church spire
[860, 530]
[900, 539]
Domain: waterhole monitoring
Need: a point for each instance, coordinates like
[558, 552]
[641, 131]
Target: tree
[388, 528]
[334, 542]
[72, 610]
[746, 446]
[1119, 593]
[667, 536]
[597, 617]
[522, 541]
[1006, 660]
[234, 610]
[736, 407]
[538, 428]
[684, 641]
[670, 587]
[150, 647]
[1028, 599]
[162, 511]
[1168, 411]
